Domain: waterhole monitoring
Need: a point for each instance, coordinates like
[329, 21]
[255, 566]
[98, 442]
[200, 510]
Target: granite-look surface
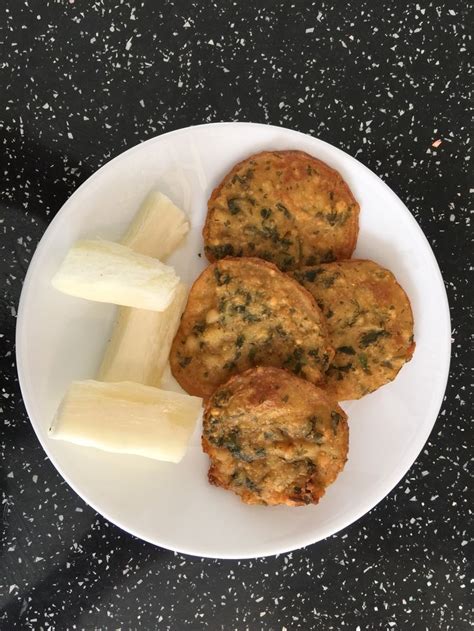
[82, 81]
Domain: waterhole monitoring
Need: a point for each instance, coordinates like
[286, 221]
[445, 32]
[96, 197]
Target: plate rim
[390, 481]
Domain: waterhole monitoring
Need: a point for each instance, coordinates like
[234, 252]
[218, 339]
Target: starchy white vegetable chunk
[109, 272]
[127, 418]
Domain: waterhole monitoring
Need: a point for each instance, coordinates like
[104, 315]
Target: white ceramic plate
[60, 338]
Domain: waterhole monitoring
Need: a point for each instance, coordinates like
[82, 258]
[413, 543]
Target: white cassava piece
[158, 227]
[109, 272]
[127, 418]
[140, 342]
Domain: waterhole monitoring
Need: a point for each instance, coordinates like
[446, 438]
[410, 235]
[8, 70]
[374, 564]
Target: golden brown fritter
[370, 324]
[243, 313]
[273, 438]
[283, 206]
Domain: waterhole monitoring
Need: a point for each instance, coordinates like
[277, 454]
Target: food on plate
[243, 312]
[370, 324]
[270, 352]
[283, 206]
[127, 418]
[158, 227]
[109, 272]
[140, 343]
[274, 438]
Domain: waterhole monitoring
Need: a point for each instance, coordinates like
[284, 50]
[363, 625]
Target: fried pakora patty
[370, 324]
[274, 438]
[283, 206]
[243, 313]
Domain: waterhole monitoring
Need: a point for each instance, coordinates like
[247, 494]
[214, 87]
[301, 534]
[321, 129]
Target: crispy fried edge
[252, 374]
[353, 234]
[192, 385]
[334, 391]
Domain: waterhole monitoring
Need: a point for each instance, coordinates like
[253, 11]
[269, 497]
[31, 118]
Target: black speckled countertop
[387, 82]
